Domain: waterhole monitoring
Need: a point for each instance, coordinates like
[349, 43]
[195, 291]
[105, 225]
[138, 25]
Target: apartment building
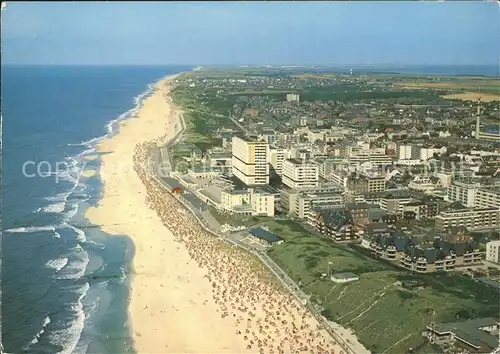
[394, 204]
[472, 219]
[462, 192]
[359, 184]
[250, 160]
[299, 174]
[292, 97]
[317, 134]
[493, 251]
[276, 158]
[336, 223]
[377, 156]
[403, 152]
[269, 136]
[320, 162]
[487, 197]
[443, 255]
[305, 202]
[422, 210]
[426, 153]
[289, 197]
[338, 177]
[247, 202]
[301, 152]
[424, 183]
[360, 213]
[331, 165]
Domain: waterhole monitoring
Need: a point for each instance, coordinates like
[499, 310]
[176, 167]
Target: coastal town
[373, 198]
[304, 177]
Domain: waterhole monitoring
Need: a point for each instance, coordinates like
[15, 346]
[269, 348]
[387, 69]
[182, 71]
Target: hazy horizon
[251, 33]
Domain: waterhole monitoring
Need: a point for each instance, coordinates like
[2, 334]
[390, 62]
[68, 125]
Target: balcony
[421, 268]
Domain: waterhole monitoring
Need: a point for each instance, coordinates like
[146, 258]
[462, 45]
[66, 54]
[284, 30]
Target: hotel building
[298, 174]
[250, 161]
[472, 219]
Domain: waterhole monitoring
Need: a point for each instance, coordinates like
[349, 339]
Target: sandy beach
[190, 291]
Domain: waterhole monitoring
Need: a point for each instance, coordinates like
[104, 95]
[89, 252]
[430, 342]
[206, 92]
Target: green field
[202, 120]
[355, 93]
[385, 316]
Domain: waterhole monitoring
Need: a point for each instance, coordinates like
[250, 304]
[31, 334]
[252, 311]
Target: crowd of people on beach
[269, 319]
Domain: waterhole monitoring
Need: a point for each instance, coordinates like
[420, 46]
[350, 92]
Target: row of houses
[446, 252]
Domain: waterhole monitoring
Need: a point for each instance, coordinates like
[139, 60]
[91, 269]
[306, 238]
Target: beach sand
[190, 292]
[166, 298]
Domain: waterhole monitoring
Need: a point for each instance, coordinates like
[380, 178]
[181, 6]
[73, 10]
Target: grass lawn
[201, 122]
[384, 315]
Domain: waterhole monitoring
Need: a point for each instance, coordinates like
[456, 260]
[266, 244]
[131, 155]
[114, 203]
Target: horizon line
[400, 65]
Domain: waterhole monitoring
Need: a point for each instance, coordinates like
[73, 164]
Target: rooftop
[470, 331]
[295, 161]
[252, 139]
[264, 234]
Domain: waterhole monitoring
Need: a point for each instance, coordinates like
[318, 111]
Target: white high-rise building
[298, 174]
[276, 158]
[493, 251]
[292, 97]
[464, 193]
[250, 161]
[403, 152]
[487, 197]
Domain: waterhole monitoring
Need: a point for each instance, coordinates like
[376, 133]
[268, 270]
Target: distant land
[490, 70]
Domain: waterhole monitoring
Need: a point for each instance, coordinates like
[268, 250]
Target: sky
[251, 33]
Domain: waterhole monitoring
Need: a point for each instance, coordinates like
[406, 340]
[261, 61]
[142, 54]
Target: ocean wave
[82, 291]
[58, 197]
[46, 321]
[137, 102]
[32, 229]
[68, 337]
[72, 161]
[80, 234]
[76, 196]
[87, 152]
[57, 264]
[87, 143]
[123, 275]
[92, 302]
[72, 212]
[54, 208]
[77, 264]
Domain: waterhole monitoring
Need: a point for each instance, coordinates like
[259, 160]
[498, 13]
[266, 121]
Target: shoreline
[173, 289]
[158, 304]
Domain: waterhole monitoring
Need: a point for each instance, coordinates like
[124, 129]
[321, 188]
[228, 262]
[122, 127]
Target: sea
[65, 283]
